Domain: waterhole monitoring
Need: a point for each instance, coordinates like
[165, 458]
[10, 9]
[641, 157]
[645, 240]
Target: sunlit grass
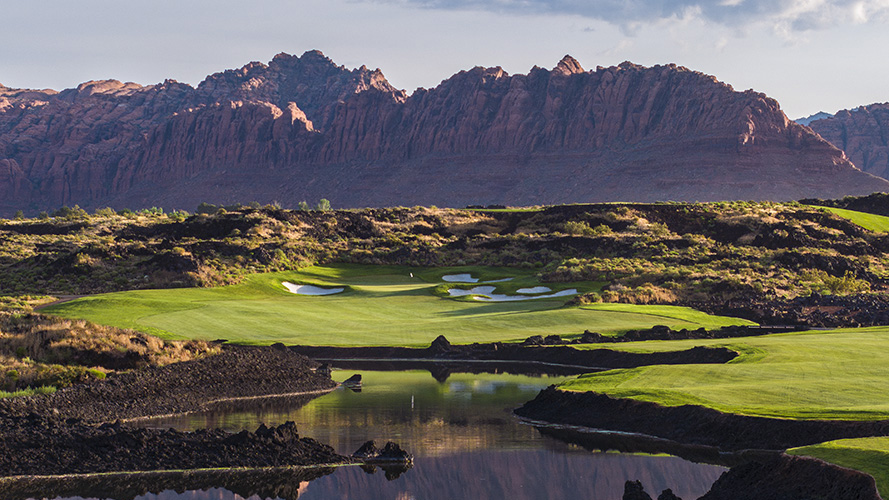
[837, 374]
[380, 306]
[873, 222]
[868, 455]
[28, 392]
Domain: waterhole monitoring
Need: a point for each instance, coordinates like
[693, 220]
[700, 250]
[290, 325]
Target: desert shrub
[836, 285]
[105, 212]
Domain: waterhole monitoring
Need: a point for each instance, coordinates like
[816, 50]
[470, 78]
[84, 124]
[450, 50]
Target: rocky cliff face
[863, 133]
[305, 128]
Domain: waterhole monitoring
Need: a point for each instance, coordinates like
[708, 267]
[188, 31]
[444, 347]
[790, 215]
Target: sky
[810, 55]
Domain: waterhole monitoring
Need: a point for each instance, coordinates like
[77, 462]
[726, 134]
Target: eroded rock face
[304, 128]
[863, 133]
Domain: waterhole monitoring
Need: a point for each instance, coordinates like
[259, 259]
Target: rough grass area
[868, 455]
[873, 222]
[382, 305]
[44, 351]
[838, 374]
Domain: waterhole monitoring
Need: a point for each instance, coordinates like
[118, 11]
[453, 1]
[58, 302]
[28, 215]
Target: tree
[70, 213]
[303, 205]
[19, 215]
[206, 208]
[323, 204]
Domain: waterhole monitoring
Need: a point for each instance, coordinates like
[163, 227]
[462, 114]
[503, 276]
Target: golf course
[379, 306]
[825, 375]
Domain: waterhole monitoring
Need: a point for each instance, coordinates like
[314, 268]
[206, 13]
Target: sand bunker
[467, 278]
[483, 294]
[499, 297]
[459, 278]
[534, 290]
[310, 289]
[479, 290]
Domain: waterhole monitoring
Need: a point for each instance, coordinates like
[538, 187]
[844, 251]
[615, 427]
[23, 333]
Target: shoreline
[441, 350]
[82, 430]
[690, 424]
[753, 447]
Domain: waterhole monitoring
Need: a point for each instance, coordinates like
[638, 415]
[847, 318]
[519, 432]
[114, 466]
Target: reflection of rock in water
[353, 383]
[391, 472]
[442, 370]
[283, 483]
[638, 443]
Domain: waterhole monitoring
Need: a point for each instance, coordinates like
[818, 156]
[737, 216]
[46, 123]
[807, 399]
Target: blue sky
[810, 55]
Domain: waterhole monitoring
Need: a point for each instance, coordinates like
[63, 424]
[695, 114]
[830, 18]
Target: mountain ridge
[863, 133]
[304, 128]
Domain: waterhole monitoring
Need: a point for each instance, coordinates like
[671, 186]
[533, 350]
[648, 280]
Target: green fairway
[878, 223]
[837, 374]
[868, 455]
[380, 306]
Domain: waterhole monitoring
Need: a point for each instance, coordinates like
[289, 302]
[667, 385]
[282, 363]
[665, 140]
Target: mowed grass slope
[840, 374]
[873, 222]
[868, 455]
[380, 306]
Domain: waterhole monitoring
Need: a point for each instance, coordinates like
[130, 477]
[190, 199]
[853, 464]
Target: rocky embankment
[828, 311]
[661, 332]
[784, 477]
[236, 373]
[79, 430]
[533, 350]
[779, 477]
[37, 445]
[690, 424]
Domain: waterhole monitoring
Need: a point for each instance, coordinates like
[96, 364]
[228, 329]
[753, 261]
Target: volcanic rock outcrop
[304, 128]
[863, 133]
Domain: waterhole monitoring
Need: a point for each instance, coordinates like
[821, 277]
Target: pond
[464, 437]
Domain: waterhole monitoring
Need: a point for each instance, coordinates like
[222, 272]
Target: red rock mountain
[863, 133]
[305, 128]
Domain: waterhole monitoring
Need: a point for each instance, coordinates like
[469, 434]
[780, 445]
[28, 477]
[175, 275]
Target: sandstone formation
[304, 128]
[863, 133]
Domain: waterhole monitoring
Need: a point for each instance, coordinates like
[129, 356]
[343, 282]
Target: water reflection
[466, 443]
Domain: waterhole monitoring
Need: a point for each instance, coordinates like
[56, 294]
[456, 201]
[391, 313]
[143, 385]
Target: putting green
[380, 306]
[839, 374]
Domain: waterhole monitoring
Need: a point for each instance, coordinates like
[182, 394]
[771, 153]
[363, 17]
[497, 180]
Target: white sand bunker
[534, 290]
[459, 278]
[310, 289]
[467, 278]
[499, 297]
[479, 290]
[483, 294]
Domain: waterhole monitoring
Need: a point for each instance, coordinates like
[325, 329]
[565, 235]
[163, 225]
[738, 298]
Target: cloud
[782, 15]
